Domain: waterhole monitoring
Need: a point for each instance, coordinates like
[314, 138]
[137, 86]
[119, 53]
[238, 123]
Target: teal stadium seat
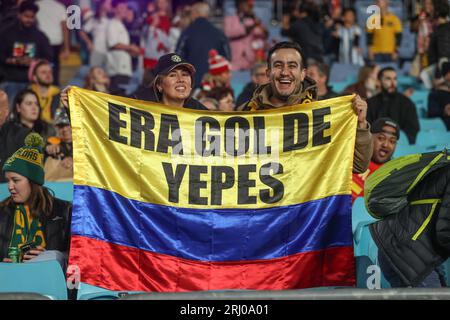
[342, 72]
[403, 150]
[403, 139]
[45, 278]
[360, 220]
[340, 86]
[433, 138]
[89, 292]
[446, 266]
[420, 98]
[432, 124]
[406, 81]
[365, 249]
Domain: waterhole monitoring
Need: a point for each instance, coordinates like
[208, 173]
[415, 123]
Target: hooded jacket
[413, 203]
[308, 93]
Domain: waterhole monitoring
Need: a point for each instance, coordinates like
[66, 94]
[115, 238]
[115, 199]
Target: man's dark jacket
[56, 227]
[399, 108]
[414, 260]
[31, 37]
[195, 43]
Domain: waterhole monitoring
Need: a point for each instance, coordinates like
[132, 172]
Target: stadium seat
[45, 278]
[433, 138]
[432, 124]
[360, 219]
[340, 86]
[365, 249]
[406, 80]
[341, 72]
[88, 292]
[405, 149]
[403, 139]
[362, 264]
[446, 266]
[420, 98]
[22, 296]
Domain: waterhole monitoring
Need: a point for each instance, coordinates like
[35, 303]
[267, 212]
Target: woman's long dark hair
[39, 125]
[40, 201]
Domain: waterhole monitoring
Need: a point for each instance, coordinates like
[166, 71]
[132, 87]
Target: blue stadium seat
[340, 86]
[360, 219]
[403, 139]
[420, 98]
[45, 278]
[406, 80]
[432, 124]
[341, 72]
[365, 249]
[88, 292]
[446, 266]
[405, 149]
[433, 138]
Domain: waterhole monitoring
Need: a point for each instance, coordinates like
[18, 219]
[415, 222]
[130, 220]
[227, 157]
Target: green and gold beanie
[28, 160]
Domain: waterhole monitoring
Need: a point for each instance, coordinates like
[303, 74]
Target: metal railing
[305, 294]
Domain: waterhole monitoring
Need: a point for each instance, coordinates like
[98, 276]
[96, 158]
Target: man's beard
[43, 84]
[385, 91]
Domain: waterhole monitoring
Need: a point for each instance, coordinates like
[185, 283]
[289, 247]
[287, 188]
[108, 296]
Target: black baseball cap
[170, 61]
[377, 126]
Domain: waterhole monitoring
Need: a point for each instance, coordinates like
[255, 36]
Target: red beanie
[217, 63]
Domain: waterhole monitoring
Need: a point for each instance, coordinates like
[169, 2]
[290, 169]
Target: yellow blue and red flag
[170, 199]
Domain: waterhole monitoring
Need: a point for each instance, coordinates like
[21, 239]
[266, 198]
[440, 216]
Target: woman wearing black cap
[173, 81]
[172, 84]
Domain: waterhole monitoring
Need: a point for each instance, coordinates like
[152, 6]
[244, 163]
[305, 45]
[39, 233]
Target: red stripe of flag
[122, 268]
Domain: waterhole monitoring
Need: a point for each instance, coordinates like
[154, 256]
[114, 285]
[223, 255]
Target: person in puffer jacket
[415, 241]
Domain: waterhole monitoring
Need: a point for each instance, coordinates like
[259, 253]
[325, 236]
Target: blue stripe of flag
[212, 234]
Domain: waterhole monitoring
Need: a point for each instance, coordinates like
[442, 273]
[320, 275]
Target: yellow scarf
[26, 228]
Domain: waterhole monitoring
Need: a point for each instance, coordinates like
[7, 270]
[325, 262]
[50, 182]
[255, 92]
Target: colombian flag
[169, 199]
